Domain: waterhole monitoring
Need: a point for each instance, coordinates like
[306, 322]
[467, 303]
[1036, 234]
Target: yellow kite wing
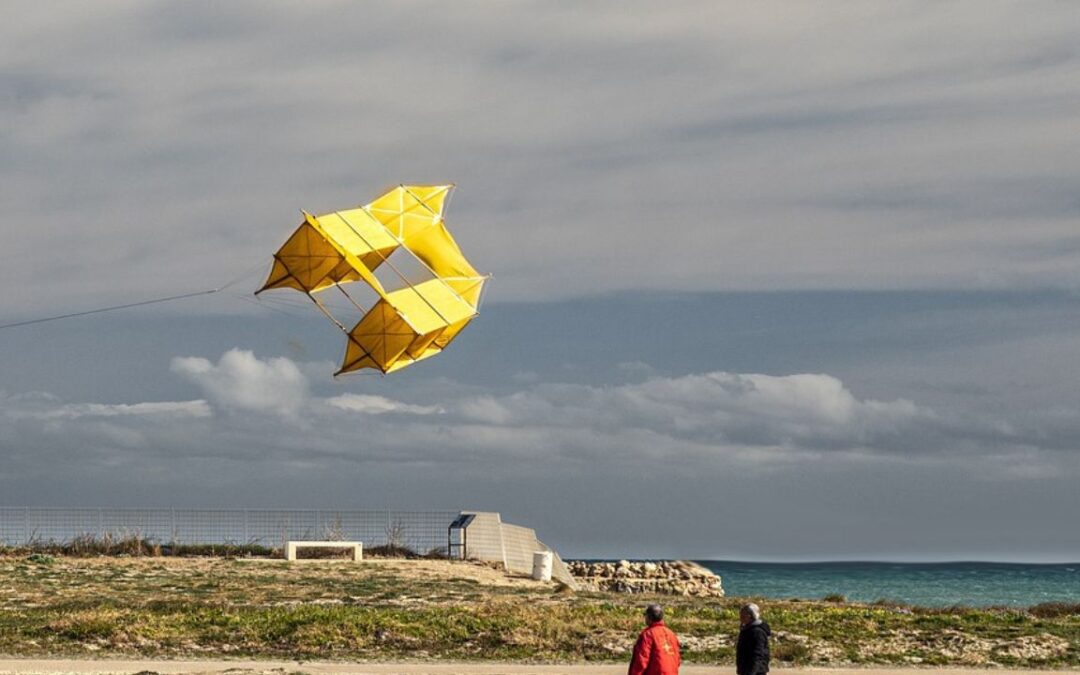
[331, 249]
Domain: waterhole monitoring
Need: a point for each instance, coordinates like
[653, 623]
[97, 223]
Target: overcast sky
[771, 280]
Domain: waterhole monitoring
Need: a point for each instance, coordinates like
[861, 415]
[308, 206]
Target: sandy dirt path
[109, 666]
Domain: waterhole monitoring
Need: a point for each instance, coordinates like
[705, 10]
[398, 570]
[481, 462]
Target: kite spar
[411, 321]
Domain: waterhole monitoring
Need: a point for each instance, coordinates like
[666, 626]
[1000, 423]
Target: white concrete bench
[357, 547]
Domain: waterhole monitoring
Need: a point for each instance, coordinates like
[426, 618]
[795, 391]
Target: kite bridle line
[327, 313]
[340, 325]
[322, 308]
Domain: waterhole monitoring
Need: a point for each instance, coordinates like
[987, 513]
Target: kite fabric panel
[406, 324]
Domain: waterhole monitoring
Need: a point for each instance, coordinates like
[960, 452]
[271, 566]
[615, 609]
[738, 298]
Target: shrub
[218, 550]
[90, 545]
[391, 551]
[885, 603]
[791, 652]
[1053, 610]
[83, 545]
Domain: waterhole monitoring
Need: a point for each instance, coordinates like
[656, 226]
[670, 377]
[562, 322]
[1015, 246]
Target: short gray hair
[654, 613]
[753, 610]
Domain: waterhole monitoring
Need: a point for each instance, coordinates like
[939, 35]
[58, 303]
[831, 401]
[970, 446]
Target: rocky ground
[667, 577]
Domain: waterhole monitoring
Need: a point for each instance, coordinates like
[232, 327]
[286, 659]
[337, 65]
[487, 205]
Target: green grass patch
[168, 607]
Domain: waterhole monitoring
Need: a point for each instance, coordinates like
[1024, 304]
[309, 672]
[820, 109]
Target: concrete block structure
[490, 539]
[355, 547]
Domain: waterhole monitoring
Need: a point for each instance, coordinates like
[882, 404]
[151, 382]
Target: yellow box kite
[406, 324]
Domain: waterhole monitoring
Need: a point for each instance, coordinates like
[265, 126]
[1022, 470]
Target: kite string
[141, 303]
[111, 308]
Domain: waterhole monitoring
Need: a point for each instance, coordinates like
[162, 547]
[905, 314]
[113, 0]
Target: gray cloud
[155, 148]
[169, 409]
[267, 409]
[723, 410]
[600, 147]
[587, 464]
[241, 382]
[379, 405]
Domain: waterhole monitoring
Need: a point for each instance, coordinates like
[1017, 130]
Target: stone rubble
[957, 646]
[668, 577]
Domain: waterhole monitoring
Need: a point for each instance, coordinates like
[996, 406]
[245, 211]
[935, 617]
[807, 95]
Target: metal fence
[420, 531]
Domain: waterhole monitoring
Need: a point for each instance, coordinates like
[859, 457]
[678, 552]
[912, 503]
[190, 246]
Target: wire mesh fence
[423, 532]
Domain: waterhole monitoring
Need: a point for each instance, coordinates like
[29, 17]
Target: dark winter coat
[752, 650]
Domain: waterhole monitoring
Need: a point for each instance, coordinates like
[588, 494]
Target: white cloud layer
[169, 409]
[379, 405]
[804, 410]
[598, 147]
[826, 471]
[267, 406]
[241, 382]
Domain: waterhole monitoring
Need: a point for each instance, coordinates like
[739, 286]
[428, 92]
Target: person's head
[653, 614]
[749, 614]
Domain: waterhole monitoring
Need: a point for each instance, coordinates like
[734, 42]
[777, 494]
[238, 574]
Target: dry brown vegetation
[438, 609]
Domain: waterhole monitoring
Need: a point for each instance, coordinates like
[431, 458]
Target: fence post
[26, 527]
[247, 537]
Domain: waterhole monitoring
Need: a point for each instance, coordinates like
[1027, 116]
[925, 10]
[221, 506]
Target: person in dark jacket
[752, 650]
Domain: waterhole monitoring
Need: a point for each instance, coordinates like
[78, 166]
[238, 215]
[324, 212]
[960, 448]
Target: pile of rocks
[671, 577]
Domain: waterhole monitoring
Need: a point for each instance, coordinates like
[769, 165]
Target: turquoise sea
[974, 584]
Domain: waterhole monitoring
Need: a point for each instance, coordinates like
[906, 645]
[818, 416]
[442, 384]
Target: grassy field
[426, 609]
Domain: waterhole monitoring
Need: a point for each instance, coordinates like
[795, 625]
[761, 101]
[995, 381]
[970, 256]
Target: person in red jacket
[657, 648]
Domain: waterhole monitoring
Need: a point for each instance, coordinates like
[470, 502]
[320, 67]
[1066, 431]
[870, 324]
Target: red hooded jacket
[656, 652]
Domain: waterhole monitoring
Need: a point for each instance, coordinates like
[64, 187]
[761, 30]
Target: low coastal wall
[670, 577]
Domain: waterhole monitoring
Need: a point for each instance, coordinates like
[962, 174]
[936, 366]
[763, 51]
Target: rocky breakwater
[670, 577]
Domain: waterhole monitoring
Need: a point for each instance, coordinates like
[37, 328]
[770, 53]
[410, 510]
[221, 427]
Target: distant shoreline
[923, 584]
[980, 584]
